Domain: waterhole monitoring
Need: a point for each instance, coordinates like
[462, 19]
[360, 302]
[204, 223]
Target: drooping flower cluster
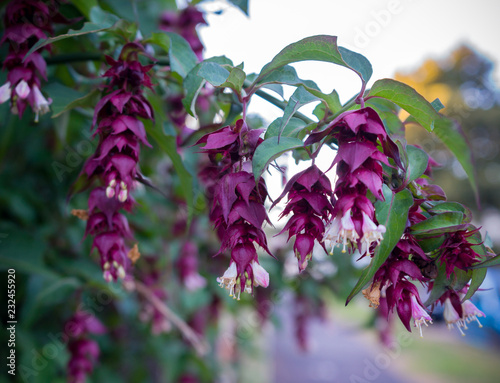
[115, 161]
[457, 252]
[309, 194]
[26, 22]
[84, 351]
[237, 208]
[393, 280]
[185, 23]
[359, 170]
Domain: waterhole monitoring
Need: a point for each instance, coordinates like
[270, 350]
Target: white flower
[471, 312]
[23, 89]
[5, 92]
[260, 275]
[371, 233]
[420, 316]
[341, 230]
[41, 104]
[229, 281]
[451, 316]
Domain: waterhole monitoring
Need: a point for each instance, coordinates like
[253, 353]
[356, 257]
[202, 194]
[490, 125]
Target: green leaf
[417, 163]
[219, 76]
[271, 149]
[438, 224]
[358, 62]
[437, 105]
[298, 99]
[408, 99]
[493, 261]
[100, 21]
[182, 58]
[193, 83]
[439, 286]
[318, 48]
[478, 276]
[65, 98]
[288, 75]
[450, 206]
[291, 129]
[241, 4]
[235, 80]
[450, 133]
[393, 214]
[214, 73]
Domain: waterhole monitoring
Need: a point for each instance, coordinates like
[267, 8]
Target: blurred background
[298, 329]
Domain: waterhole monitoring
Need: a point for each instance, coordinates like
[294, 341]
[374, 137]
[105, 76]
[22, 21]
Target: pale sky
[392, 34]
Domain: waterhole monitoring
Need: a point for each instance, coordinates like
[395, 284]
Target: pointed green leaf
[214, 73]
[408, 99]
[291, 129]
[393, 214]
[298, 99]
[271, 149]
[100, 21]
[437, 105]
[65, 98]
[241, 4]
[193, 83]
[493, 261]
[438, 224]
[319, 48]
[182, 58]
[478, 276]
[417, 162]
[235, 80]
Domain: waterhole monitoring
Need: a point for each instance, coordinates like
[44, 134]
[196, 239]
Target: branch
[282, 105]
[88, 56]
[199, 344]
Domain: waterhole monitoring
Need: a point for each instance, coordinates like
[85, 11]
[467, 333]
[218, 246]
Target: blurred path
[336, 353]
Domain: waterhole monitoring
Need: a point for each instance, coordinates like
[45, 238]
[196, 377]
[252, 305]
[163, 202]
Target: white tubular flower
[371, 233]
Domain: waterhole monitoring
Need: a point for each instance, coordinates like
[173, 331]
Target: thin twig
[199, 344]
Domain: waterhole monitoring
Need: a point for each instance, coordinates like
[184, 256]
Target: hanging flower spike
[359, 169]
[237, 210]
[84, 352]
[26, 22]
[309, 194]
[115, 162]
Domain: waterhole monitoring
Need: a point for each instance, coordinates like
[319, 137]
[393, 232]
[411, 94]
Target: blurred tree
[464, 83]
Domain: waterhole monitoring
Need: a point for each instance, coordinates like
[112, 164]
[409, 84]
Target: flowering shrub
[198, 197]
